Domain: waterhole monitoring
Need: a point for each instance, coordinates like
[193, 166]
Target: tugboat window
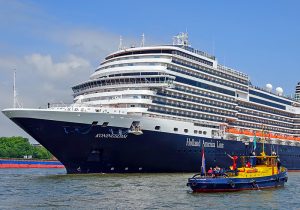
[157, 127]
[176, 129]
[204, 132]
[186, 130]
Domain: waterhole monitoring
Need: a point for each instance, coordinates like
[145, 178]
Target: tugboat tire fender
[231, 183]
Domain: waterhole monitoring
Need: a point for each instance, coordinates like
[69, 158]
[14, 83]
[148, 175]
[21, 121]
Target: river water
[54, 189]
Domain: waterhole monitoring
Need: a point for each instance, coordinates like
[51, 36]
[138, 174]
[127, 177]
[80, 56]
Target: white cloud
[44, 65]
[40, 79]
[92, 44]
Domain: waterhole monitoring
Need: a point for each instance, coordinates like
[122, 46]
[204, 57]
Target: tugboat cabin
[257, 166]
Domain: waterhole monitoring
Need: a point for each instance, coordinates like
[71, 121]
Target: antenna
[15, 92]
[213, 47]
[121, 43]
[15, 101]
[143, 40]
[14, 89]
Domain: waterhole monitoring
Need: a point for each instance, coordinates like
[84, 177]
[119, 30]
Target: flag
[254, 143]
[203, 171]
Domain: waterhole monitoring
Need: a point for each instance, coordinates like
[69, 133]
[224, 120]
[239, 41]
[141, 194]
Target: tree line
[18, 147]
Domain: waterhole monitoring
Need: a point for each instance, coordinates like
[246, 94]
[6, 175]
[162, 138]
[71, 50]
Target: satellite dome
[269, 87]
[279, 91]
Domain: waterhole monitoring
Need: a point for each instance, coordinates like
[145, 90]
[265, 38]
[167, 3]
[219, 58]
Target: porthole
[157, 127]
[186, 130]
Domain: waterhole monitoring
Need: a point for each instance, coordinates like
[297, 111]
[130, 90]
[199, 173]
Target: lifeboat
[248, 133]
[233, 130]
[259, 133]
[281, 137]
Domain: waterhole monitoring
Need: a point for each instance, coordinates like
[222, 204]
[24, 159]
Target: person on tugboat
[233, 168]
[234, 159]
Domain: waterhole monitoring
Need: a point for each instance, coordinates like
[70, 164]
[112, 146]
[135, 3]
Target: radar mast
[181, 39]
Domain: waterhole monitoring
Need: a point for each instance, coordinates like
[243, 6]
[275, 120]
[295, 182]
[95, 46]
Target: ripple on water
[53, 189]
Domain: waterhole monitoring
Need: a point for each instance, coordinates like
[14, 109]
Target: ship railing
[230, 70]
[199, 52]
[66, 106]
[166, 82]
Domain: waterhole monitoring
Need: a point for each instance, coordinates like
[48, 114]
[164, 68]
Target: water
[53, 189]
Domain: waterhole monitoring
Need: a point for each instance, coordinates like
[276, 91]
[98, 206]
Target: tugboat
[263, 172]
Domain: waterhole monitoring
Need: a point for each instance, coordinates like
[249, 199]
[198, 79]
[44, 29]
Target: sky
[55, 44]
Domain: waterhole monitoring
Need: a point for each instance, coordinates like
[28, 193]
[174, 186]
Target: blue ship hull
[236, 184]
[96, 149]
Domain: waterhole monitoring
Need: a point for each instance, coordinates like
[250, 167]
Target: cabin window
[94, 122]
[157, 127]
[200, 132]
[204, 132]
[176, 129]
[195, 132]
[104, 124]
[186, 130]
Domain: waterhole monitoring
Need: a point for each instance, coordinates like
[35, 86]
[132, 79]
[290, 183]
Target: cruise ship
[152, 109]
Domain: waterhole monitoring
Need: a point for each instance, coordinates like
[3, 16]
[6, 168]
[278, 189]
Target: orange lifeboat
[248, 133]
[233, 130]
[280, 136]
[259, 133]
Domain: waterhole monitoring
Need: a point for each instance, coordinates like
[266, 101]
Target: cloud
[44, 65]
[90, 43]
[40, 79]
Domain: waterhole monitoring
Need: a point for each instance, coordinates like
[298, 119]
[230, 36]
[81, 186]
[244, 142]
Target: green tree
[18, 147]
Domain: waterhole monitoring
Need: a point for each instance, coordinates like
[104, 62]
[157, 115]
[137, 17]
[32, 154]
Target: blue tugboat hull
[209, 184]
